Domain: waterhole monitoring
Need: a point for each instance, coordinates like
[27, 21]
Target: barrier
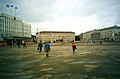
[3, 44]
[29, 43]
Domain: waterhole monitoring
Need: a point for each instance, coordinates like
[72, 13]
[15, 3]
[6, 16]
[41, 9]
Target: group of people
[47, 47]
[23, 43]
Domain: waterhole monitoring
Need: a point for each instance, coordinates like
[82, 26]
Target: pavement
[90, 61]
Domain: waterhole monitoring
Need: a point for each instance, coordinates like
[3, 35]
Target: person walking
[73, 45]
[18, 43]
[40, 45]
[100, 41]
[24, 44]
[47, 49]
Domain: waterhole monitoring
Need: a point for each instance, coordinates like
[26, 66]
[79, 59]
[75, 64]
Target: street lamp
[51, 37]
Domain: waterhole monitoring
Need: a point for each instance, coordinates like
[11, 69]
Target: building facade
[105, 34]
[13, 28]
[26, 30]
[110, 33]
[1, 27]
[87, 36]
[55, 36]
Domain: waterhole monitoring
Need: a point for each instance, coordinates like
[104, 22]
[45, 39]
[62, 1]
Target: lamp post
[51, 37]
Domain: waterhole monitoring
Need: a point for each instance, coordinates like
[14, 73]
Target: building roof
[110, 28]
[11, 16]
[97, 30]
[56, 32]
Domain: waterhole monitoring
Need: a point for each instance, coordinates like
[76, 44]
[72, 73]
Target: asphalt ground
[90, 61]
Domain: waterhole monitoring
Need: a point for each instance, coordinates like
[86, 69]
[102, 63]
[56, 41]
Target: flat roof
[56, 32]
[107, 28]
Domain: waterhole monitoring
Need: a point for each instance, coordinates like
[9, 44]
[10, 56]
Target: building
[96, 35]
[105, 34]
[1, 27]
[81, 37]
[87, 36]
[110, 33]
[55, 36]
[26, 30]
[13, 29]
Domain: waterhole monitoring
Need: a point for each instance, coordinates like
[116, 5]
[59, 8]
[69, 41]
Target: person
[24, 44]
[40, 45]
[47, 48]
[11, 44]
[73, 45]
[100, 41]
[18, 43]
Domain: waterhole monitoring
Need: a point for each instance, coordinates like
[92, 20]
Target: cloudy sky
[78, 16]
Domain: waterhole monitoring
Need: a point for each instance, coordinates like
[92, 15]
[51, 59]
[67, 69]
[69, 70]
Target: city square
[79, 39]
[90, 61]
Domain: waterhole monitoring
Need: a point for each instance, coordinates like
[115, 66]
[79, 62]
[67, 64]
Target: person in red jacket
[73, 45]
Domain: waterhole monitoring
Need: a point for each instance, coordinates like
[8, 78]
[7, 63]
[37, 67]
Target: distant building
[55, 36]
[96, 35]
[81, 37]
[105, 34]
[110, 33]
[13, 29]
[87, 36]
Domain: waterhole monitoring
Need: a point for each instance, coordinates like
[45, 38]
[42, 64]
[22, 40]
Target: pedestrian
[24, 44]
[47, 48]
[73, 45]
[11, 44]
[18, 43]
[100, 41]
[40, 45]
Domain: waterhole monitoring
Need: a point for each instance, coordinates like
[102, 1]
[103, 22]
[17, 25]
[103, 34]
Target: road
[90, 61]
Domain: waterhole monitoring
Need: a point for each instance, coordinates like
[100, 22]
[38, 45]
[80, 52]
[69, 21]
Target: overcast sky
[78, 16]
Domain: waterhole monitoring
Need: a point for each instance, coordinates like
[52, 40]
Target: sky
[78, 16]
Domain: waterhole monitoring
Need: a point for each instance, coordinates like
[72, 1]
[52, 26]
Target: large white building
[12, 27]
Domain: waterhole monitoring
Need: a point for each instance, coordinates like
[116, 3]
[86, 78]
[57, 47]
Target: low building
[55, 36]
[96, 35]
[87, 36]
[81, 37]
[109, 33]
[105, 34]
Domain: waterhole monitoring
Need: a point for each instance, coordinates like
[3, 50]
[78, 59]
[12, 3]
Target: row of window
[11, 26]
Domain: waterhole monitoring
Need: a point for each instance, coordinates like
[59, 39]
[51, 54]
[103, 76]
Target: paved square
[90, 61]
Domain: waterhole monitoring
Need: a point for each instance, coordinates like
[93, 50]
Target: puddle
[44, 65]
[47, 76]
[90, 68]
[64, 55]
[66, 61]
[81, 62]
[46, 69]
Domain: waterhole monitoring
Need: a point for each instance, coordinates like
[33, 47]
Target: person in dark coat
[40, 45]
[18, 43]
[24, 44]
